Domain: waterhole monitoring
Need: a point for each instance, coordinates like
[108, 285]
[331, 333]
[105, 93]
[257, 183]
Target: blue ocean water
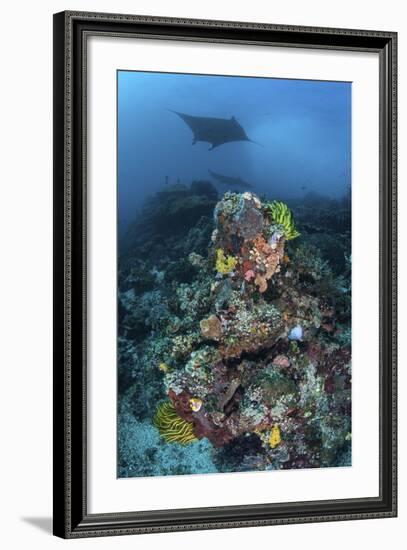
[234, 310]
[303, 126]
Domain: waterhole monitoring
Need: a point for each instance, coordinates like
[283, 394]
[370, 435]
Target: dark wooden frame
[71, 518]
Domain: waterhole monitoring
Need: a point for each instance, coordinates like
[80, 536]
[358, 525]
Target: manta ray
[215, 131]
[230, 180]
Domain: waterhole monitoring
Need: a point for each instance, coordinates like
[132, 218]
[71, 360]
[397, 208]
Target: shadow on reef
[234, 334]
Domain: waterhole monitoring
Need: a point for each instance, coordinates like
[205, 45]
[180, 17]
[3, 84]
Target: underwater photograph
[233, 274]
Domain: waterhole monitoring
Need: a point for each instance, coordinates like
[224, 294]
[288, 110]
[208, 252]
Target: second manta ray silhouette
[215, 131]
[230, 180]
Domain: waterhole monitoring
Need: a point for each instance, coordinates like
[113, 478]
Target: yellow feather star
[171, 426]
[283, 216]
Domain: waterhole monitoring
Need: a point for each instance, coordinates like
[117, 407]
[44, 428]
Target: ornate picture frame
[72, 517]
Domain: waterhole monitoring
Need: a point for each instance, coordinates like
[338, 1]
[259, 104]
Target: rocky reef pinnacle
[234, 336]
[251, 376]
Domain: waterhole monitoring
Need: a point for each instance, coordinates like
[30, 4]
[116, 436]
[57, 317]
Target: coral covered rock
[246, 332]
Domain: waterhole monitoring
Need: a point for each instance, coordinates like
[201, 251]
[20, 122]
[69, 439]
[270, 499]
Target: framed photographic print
[225, 274]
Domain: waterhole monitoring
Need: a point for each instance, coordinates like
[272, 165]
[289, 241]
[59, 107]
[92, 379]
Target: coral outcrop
[236, 333]
[246, 365]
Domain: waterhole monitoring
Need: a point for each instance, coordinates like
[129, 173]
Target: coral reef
[143, 452]
[234, 336]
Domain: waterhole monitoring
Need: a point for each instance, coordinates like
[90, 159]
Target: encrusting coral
[275, 437]
[224, 264]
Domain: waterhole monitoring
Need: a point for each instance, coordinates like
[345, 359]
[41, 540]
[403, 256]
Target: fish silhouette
[230, 180]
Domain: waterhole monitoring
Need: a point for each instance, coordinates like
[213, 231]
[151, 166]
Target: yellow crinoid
[171, 426]
[282, 215]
